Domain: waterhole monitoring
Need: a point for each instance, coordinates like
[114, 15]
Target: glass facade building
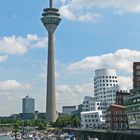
[28, 105]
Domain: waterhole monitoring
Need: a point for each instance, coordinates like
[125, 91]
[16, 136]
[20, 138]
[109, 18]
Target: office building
[67, 110]
[28, 105]
[78, 111]
[87, 103]
[92, 119]
[105, 85]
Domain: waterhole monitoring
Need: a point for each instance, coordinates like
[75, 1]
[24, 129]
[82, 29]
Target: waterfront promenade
[85, 134]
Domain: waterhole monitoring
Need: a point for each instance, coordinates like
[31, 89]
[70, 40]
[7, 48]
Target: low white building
[87, 103]
[92, 119]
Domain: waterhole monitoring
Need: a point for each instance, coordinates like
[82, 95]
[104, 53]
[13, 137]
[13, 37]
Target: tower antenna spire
[51, 4]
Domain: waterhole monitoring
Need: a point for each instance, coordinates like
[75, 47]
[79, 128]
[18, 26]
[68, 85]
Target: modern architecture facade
[136, 74]
[28, 105]
[51, 19]
[92, 119]
[87, 103]
[105, 88]
[105, 85]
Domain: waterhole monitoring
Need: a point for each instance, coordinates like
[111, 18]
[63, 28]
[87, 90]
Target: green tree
[16, 129]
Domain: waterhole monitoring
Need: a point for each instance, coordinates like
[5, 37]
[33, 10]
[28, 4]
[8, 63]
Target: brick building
[136, 74]
[116, 117]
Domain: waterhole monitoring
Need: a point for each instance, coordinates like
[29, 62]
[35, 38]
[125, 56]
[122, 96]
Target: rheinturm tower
[51, 19]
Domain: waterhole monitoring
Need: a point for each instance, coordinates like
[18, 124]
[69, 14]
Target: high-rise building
[51, 19]
[28, 105]
[105, 85]
[136, 74]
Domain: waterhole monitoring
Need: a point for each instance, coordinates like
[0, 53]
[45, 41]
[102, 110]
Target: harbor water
[4, 138]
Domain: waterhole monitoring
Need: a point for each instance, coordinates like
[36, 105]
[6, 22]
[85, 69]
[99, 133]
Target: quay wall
[104, 135]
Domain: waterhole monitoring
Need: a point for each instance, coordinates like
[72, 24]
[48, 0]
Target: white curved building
[105, 88]
[105, 85]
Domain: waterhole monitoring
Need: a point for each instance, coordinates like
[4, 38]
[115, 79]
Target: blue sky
[92, 34]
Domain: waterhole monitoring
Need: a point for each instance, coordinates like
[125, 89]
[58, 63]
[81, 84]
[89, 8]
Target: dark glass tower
[51, 19]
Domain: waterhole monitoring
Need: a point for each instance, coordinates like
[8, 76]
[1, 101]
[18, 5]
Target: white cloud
[73, 95]
[20, 45]
[122, 60]
[3, 58]
[125, 82]
[10, 103]
[91, 17]
[13, 85]
[73, 9]
[71, 12]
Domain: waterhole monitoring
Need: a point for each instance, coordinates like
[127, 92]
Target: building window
[137, 67]
[116, 125]
[115, 112]
[138, 72]
[134, 101]
[115, 118]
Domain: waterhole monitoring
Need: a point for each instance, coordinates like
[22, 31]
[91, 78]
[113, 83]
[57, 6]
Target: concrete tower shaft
[51, 19]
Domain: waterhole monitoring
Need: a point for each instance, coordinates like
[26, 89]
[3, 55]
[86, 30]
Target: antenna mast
[51, 4]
